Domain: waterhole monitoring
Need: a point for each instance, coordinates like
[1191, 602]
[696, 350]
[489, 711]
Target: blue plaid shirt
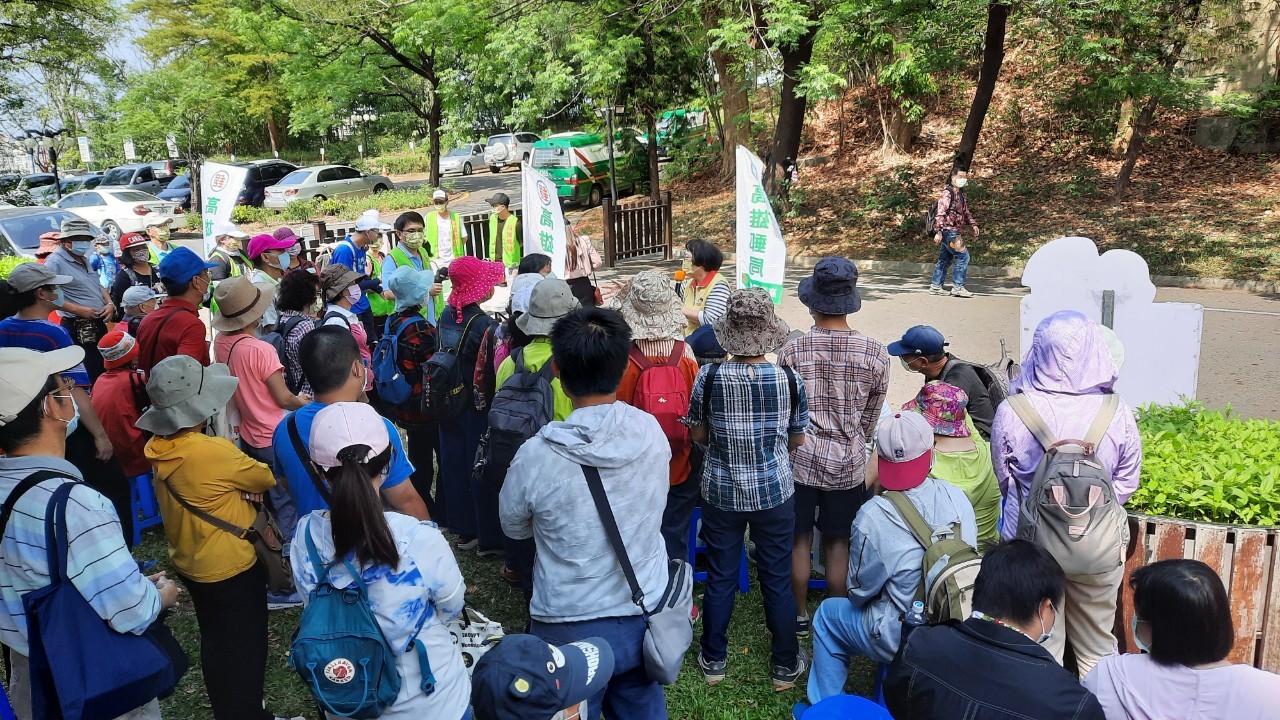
[747, 467]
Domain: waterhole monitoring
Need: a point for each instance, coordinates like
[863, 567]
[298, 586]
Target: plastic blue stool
[744, 582]
[877, 693]
[146, 509]
[841, 707]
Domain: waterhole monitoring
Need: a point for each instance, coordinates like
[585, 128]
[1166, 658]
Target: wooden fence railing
[477, 227]
[637, 227]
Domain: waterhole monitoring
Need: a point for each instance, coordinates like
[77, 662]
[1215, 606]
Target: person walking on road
[953, 216]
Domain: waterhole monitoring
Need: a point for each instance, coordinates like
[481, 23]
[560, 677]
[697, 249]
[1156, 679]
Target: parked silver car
[463, 159]
[509, 150]
[321, 182]
[134, 176]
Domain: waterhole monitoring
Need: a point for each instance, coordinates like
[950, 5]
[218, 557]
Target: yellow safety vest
[431, 230]
[510, 245]
[695, 298]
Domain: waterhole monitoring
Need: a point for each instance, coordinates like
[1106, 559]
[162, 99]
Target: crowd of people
[354, 422]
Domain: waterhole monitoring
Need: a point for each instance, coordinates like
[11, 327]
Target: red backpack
[663, 392]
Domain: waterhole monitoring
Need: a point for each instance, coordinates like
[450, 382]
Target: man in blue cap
[922, 349]
[176, 328]
[524, 678]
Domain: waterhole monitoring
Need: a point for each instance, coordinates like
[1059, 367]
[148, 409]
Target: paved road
[1241, 330]
[481, 186]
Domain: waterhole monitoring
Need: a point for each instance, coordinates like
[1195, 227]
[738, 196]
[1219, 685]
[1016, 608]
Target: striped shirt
[746, 466]
[846, 376]
[42, 336]
[99, 564]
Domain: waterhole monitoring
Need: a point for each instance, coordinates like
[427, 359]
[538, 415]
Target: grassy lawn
[746, 693]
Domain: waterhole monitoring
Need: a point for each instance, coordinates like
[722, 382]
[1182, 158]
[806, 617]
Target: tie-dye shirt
[426, 581]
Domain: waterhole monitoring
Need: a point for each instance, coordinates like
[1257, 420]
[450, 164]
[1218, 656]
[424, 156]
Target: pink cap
[904, 443]
[259, 244]
[342, 425]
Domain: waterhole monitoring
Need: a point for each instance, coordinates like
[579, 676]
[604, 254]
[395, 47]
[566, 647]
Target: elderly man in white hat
[158, 228]
[229, 253]
[446, 235]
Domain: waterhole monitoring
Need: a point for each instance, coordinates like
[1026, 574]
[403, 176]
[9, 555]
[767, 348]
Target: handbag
[263, 534]
[87, 331]
[76, 668]
[474, 634]
[669, 627]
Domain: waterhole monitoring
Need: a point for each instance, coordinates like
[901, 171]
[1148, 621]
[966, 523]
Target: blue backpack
[340, 651]
[388, 377]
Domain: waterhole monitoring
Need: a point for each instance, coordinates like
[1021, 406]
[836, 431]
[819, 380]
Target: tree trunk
[992, 60]
[1140, 127]
[791, 109]
[434, 112]
[735, 109]
[899, 132]
[273, 134]
[1124, 129]
[651, 119]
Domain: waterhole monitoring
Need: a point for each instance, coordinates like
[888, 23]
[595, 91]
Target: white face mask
[1142, 647]
[1045, 635]
[961, 182]
[74, 421]
[354, 294]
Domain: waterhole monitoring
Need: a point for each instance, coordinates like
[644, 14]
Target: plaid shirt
[746, 468]
[416, 346]
[847, 375]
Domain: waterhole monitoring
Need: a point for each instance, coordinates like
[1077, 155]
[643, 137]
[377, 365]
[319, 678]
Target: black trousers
[232, 615]
[423, 448]
[105, 477]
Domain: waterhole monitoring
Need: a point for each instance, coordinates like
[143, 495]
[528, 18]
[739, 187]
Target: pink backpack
[663, 392]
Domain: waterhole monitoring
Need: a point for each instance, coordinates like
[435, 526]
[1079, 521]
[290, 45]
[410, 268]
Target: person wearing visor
[229, 253]
[158, 230]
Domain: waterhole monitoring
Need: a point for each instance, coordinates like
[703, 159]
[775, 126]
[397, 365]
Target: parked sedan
[322, 182]
[21, 228]
[117, 211]
[463, 160]
[179, 191]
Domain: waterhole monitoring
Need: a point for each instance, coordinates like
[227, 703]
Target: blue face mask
[284, 261]
[1142, 647]
[81, 247]
[58, 297]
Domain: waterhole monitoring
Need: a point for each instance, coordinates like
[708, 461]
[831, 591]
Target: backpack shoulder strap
[1021, 405]
[289, 325]
[1110, 404]
[677, 354]
[231, 350]
[639, 358]
[792, 386]
[333, 314]
[596, 485]
[214, 520]
[907, 509]
[155, 342]
[300, 449]
[29, 482]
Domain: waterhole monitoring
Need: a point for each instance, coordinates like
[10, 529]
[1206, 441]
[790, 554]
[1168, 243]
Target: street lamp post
[363, 117]
[47, 139]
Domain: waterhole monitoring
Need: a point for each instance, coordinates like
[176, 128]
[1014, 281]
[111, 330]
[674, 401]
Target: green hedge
[1208, 465]
[305, 211]
[8, 263]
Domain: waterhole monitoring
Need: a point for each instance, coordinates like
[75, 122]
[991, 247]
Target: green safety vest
[458, 248]
[510, 244]
[378, 305]
[237, 264]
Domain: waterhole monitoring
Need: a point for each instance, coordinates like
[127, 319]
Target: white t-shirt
[444, 237]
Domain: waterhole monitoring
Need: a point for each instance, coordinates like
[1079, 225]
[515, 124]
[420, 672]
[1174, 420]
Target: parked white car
[509, 150]
[321, 182]
[134, 176]
[117, 211]
[463, 159]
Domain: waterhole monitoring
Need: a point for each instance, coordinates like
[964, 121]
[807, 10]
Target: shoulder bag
[264, 535]
[669, 626]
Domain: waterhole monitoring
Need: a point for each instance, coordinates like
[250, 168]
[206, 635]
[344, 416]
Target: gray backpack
[1071, 509]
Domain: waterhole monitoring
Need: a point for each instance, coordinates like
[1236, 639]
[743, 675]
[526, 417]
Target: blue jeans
[838, 634]
[773, 531]
[459, 439]
[278, 497]
[630, 694]
[945, 256]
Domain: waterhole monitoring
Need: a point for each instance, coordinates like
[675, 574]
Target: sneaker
[785, 678]
[464, 543]
[960, 292]
[802, 626]
[936, 290]
[491, 553]
[712, 671]
[283, 601]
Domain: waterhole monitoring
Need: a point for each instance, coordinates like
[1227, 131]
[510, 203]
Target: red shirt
[118, 397]
[174, 329]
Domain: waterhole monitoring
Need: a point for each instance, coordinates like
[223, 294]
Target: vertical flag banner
[86, 156]
[762, 254]
[219, 186]
[171, 144]
[129, 153]
[543, 219]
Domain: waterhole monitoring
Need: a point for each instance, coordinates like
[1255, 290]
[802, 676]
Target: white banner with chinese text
[219, 186]
[762, 254]
[543, 219]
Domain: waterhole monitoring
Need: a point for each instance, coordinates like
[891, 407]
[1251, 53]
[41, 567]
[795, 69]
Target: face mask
[102, 249]
[906, 364]
[441, 206]
[81, 247]
[284, 261]
[162, 234]
[354, 294]
[58, 297]
[295, 250]
[1044, 636]
[1142, 647]
[317, 306]
[72, 423]
[208, 289]
[413, 240]
[960, 182]
[140, 256]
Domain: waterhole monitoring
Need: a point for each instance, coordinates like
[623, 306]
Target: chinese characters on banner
[762, 255]
[219, 186]
[543, 220]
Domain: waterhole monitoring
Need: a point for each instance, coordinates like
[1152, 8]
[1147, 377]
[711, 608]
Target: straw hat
[750, 327]
[652, 309]
[241, 303]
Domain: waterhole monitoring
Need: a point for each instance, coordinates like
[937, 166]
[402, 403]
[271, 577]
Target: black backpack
[931, 216]
[521, 407]
[279, 340]
[444, 382]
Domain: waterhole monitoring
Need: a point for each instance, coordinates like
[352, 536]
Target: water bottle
[913, 619]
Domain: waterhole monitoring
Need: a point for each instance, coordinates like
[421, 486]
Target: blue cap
[180, 265]
[841, 707]
[524, 677]
[919, 340]
[704, 344]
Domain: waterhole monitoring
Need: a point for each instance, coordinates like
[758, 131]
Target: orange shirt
[659, 351]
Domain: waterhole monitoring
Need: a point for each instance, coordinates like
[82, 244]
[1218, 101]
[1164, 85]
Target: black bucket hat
[833, 287]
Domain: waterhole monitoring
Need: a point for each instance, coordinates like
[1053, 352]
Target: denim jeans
[838, 634]
[459, 438]
[681, 499]
[773, 532]
[945, 256]
[278, 497]
[630, 694]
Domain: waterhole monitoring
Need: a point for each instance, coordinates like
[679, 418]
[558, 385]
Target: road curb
[1260, 287]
